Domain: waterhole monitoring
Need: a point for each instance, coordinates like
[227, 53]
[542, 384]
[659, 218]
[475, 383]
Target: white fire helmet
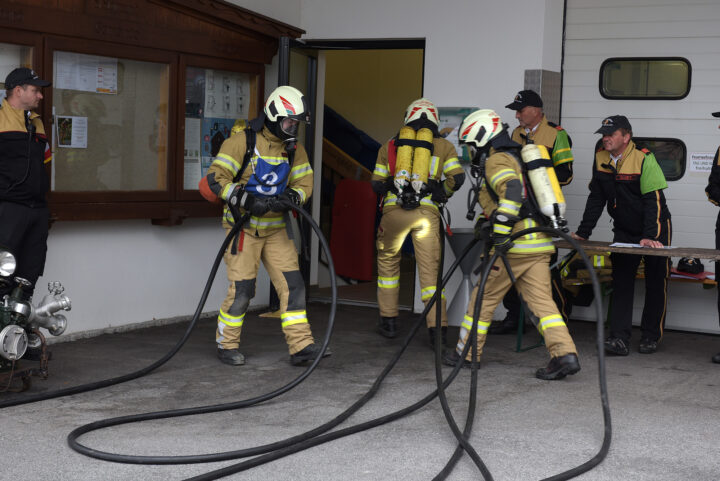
[419, 107]
[479, 127]
[286, 102]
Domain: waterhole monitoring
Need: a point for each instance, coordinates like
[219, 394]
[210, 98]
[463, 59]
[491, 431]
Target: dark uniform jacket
[713, 188]
[632, 191]
[23, 152]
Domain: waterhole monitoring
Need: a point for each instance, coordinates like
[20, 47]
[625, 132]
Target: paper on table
[624, 244]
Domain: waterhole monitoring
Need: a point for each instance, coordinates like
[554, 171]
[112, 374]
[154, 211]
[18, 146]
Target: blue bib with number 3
[269, 177]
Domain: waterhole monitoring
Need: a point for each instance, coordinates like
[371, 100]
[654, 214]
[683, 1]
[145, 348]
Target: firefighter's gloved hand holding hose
[502, 227]
[257, 206]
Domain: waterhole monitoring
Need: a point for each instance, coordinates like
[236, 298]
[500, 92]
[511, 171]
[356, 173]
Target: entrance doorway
[363, 89]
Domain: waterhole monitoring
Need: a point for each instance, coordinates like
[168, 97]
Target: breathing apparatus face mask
[289, 126]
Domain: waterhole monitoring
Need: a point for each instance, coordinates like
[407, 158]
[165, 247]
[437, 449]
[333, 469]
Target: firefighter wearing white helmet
[505, 205]
[415, 173]
[255, 170]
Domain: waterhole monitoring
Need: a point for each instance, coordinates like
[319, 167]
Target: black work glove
[381, 187]
[257, 206]
[502, 227]
[289, 195]
[438, 194]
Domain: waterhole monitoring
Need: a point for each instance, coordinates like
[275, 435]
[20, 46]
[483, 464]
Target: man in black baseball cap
[525, 98]
[24, 76]
[614, 122]
[629, 182]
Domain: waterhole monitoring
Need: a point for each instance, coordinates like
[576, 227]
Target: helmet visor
[289, 126]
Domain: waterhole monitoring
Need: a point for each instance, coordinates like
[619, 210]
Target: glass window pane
[645, 78]
[671, 154]
[111, 117]
[12, 57]
[216, 104]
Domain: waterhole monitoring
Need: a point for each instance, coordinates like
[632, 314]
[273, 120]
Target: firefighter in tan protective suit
[504, 203]
[416, 172]
[534, 128]
[255, 179]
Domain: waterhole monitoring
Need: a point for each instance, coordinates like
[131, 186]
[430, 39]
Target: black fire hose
[146, 370]
[462, 437]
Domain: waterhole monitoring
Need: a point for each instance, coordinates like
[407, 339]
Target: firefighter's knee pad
[296, 290]
[244, 291]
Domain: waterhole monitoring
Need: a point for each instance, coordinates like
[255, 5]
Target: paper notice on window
[226, 94]
[88, 73]
[192, 171]
[701, 161]
[72, 132]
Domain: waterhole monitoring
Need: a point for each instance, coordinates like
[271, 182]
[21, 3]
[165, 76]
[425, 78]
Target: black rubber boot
[509, 325]
[308, 353]
[233, 357]
[431, 336]
[386, 327]
[452, 358]
[559, 367]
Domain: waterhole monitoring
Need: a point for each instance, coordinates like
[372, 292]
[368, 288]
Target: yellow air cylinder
[238, 126]
[404, 159]
[544, 182]
[421, 161]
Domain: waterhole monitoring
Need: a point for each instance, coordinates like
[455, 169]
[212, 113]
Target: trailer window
[670, 154]
[666, 78]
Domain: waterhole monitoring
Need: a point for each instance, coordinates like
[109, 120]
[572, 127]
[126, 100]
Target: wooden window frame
[256, 87]
[197, 33]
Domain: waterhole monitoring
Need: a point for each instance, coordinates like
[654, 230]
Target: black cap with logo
[716, 114]
[24, 76]
[525, 98]
[612, 123]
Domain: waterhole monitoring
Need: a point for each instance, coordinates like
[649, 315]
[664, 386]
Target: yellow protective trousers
[532, 274]
[279, 257]
[395, 226]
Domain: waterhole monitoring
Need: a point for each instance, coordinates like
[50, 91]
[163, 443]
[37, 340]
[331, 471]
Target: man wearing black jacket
[713, 193]
[24, 213]
[630, 182]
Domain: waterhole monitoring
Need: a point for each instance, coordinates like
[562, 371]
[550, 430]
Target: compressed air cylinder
[404, 159]
[544, 181]
[421, 161]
